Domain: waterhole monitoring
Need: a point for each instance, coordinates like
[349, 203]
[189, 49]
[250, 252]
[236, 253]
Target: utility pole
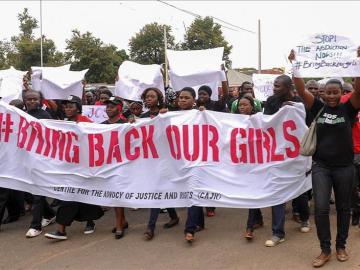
[259, 47]
[41, 36]
[166, 60]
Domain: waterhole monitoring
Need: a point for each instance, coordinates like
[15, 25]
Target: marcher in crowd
[42, 214]
[114, 112]
[69, 211]
[333, 167]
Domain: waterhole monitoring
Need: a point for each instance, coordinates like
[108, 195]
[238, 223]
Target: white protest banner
[58, 83]
[263, 85]
[176, 159]
[326, 55]
[36, 75]
[97, 113]
[196, 68]
[11, 84]
[135, 78]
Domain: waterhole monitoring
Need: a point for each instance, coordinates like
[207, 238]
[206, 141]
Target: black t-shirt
[274, 103]
[334, 145]
[120, 121]
[149, 114]
[40, 114]
[211, 105]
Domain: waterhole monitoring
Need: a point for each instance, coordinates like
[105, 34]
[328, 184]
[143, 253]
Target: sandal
[119, 234]
[126, 225]
[189, 237]
[149, 235]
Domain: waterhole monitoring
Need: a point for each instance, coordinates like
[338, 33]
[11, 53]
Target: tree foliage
[202, 34]
[147, 46]
[86, 51]
[23, 51]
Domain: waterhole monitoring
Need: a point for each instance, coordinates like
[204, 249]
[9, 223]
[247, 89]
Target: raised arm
[300, 87]
[355, 97]
[225, 88]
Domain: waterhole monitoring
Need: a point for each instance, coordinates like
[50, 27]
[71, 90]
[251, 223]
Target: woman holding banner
[114, 112]
[69, 211]
[154, 101]
[333, 161]
[195, 216]
[246, 105]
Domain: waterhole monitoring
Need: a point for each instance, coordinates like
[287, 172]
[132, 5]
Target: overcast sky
[284, 23]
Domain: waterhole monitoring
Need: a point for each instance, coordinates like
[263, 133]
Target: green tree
[147, 46]
[86, 51]
[203, 33]
[23, 51]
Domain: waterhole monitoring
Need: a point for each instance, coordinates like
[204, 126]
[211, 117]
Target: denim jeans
[324, 179]
[40, 209]
[254, 217]
[301, 206]
[154, 214]
[278, 220]
[195, 217]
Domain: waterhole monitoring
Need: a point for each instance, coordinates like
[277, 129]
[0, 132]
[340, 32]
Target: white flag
[135, 78]
[11, 84]
[196, 68]
[58, 83]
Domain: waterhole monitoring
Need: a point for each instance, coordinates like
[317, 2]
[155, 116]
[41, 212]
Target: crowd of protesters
[336, 163]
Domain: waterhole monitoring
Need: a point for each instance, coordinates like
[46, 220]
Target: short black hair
[190, 90]
[334, 81]
[286, 80]
[106, 92]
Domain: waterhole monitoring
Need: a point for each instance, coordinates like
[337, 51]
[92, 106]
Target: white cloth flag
[196, 68]
[11, 84]
[135, 78]
[263, 85]
[59, 83]
[326, 55]
[36, 76]
[177, 159]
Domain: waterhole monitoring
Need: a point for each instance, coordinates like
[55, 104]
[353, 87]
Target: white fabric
[326, 55]
[96, 113]
[234, 161]
[36, 76]
[11, 84]
[58, 83]
[135, 78]
[263, 85]
[193, 68]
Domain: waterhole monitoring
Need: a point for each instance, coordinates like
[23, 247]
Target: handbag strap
[318, 114]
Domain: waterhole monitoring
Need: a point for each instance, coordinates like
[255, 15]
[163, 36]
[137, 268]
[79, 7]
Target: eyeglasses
[313, 88]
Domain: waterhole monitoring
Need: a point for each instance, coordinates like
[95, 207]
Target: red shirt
[355, 128]
[82, 118]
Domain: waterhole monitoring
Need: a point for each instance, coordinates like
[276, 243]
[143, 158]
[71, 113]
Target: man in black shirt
[43, 214]
[283, 95]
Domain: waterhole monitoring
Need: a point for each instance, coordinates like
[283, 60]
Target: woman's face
[203, 96]
[332, 94]
[70, 110]
[111, 110]
[186, 100]
[244, 106]
[151, 99]
[136, 109]
[104, 97]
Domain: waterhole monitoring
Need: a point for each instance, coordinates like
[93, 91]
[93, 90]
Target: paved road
[220, 246]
